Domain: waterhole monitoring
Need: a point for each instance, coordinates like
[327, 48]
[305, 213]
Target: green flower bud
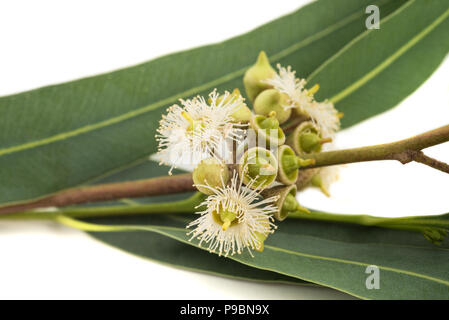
[306, 138]
[258, 168]
[287, 201]
[210, 172]
[289, 163]
[243, 113]
[273, 100]
[268, 128]
[254, 76]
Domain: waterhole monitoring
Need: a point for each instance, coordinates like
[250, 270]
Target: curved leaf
[65, 135]
[163, 249]
[382, 67]
[158, 247]
[330, 254]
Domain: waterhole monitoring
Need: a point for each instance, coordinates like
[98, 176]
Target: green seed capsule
[255, 75]
[210, 172]
[273, 100]
[268, 128]
[286, 203]
[306, 138]
[289, 163]
[258, 168]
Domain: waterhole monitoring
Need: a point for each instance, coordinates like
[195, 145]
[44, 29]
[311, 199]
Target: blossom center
[225, 218]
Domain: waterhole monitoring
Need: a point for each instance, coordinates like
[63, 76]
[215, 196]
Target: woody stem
[404, 151]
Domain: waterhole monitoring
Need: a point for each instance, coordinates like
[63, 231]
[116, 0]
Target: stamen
[313, 90]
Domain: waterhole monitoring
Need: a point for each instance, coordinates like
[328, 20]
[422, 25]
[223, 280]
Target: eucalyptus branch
[404, 151]
[106, 192]
[175, 207]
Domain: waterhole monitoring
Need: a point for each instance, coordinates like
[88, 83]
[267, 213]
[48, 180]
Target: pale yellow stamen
[187, 116]
[313, 90]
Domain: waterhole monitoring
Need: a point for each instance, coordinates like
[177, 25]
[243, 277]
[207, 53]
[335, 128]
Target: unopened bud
[255, 75]
[273, 100]
[210, 173]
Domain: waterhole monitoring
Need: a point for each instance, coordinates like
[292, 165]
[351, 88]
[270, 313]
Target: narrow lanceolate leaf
[330, 254]
[382, 67]
[66, 135]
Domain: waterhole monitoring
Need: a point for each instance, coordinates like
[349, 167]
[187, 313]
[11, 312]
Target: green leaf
[154, 246]
[158, 247]
[379, 68]
[62, 136]
[331, 254]
[81, 131]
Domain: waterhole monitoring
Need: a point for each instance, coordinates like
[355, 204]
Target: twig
[403, 151]
[106, 192]
[431, 162]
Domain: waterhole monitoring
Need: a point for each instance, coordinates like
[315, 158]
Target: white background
[47, 42]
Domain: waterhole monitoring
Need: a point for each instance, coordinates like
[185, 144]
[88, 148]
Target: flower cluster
[322, 114]
[198, 129]
[248, 162]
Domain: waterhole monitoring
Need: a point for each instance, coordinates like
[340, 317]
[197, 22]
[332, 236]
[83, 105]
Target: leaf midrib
[173, 98]
[389, 60]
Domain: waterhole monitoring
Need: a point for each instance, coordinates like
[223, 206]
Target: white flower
[197, 130]
[253, 219]
[286, 82]
[323, 114]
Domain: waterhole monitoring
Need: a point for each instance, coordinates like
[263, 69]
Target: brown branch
[405, 151]
[106, 192]
[431, 162]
